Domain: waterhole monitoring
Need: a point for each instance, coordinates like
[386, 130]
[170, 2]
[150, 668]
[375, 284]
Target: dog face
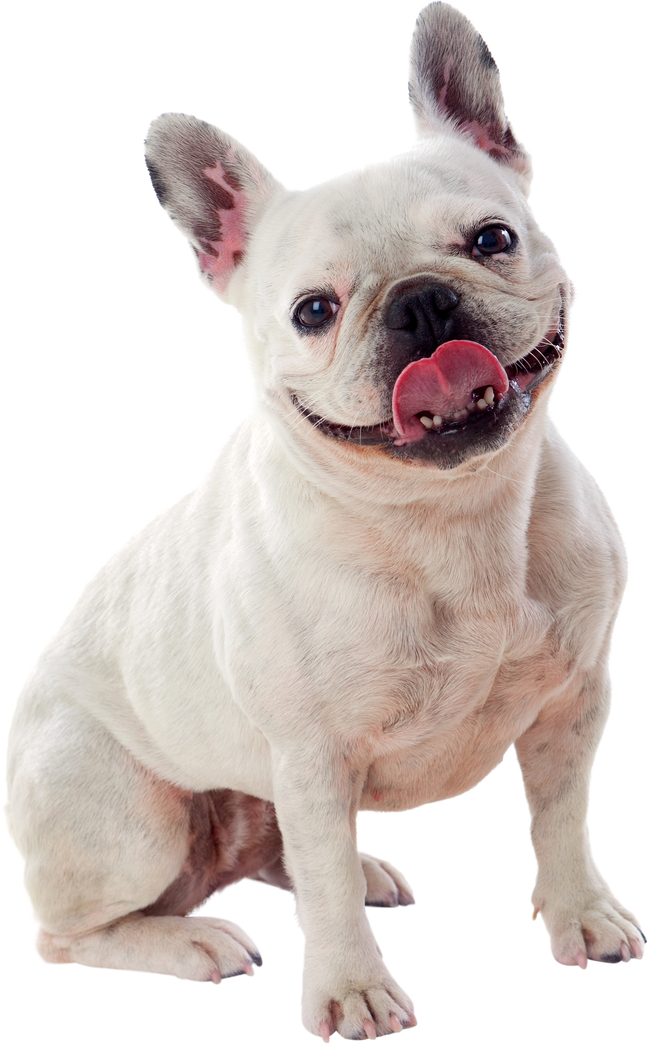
[414, 307]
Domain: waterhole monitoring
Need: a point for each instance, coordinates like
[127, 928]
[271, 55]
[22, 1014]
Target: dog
[396, 570]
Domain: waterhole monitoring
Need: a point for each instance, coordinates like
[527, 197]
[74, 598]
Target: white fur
[328, 628]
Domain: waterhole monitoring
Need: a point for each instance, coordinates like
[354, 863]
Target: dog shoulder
[577, 563]
[567, 495]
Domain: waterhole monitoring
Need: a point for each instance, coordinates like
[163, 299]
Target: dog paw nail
[215, 976]
[625, 952]
[395, 1023]
[370, 1029]
[323, 1030]
[636, 949]
[581, 959]
[256, 959]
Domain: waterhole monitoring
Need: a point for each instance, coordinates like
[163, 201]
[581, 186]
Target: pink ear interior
[482, 137]
[490, 136]
[220, 256]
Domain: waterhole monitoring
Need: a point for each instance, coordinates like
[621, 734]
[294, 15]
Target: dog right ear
[211, 187]
[454, 82]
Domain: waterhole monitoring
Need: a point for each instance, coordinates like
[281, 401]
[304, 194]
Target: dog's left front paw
[602, 931]
[385, 885]
[357, 1012]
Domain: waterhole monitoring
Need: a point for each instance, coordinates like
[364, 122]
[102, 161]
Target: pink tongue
[443, 384]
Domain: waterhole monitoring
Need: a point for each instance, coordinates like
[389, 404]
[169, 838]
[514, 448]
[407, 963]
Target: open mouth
[461, 389]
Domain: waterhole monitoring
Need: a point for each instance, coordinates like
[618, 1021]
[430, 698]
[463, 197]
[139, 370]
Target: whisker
[538, 354]
[506, 478]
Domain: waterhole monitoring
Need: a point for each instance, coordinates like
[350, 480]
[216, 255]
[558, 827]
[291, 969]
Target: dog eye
[492, 240]
[316, 312]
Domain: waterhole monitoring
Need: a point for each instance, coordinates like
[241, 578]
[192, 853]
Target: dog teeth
[437, 420]
[487, 399]
[431, 422]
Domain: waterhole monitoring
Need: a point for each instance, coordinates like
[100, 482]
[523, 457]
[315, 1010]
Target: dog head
[413, 309]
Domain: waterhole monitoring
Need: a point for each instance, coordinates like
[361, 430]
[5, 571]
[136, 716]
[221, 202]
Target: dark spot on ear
[510, 143]
[159, 186]
[232, 180]
[220, 197]
[208, 224]
[237, 257]
[486, 56]
[611, 958]
[208, 227]
[208, 248]
[459, 103]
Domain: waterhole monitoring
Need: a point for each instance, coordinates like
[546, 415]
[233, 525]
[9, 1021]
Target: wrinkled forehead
[388, 219]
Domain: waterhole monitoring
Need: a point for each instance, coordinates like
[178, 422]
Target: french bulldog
[396, 570]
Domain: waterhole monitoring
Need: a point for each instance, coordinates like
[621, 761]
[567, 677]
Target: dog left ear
[211, 187]
[454, 79]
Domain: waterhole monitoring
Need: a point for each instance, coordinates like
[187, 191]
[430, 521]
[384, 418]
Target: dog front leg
[346, 984]
[582, 916]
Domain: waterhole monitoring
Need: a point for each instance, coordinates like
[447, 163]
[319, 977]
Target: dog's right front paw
[359, 1012]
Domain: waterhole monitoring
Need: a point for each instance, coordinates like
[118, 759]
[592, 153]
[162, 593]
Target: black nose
[423, 312]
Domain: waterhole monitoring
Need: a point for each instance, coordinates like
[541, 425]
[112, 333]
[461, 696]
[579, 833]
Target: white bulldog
[396, 570]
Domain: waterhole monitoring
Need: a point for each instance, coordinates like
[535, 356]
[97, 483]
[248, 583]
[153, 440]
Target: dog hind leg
[105, 841]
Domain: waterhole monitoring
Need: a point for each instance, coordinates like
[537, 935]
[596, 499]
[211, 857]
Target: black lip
[454, 441]
[377, 435]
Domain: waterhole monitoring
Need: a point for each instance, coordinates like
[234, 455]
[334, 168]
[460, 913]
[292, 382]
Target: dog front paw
[359, 1011]
[600, 930]
[385, 885]
[199, 948]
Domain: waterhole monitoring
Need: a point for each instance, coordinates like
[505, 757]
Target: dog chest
[451, 721]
